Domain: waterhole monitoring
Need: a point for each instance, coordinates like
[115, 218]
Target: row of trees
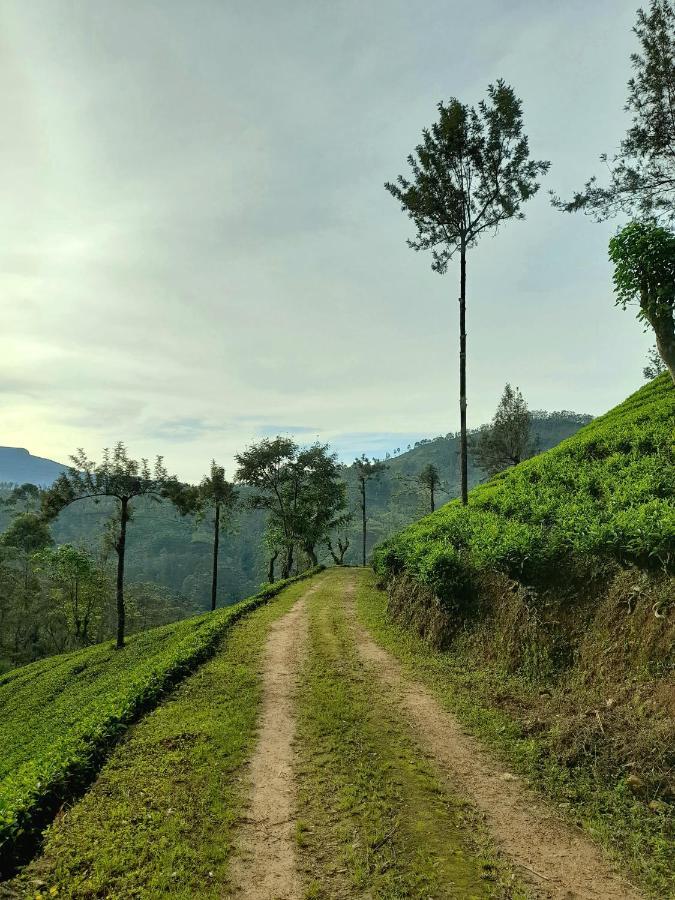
[472, 172]
[301, 491]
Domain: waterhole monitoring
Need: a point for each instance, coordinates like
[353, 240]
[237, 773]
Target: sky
[197, 250]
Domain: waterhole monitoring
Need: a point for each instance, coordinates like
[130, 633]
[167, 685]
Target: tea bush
[60, 716]
[607, 493]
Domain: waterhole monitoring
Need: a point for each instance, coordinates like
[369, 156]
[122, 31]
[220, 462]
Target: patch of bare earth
[265, 867]
[557, 862]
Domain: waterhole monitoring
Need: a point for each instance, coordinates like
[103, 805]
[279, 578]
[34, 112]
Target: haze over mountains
[18, 466]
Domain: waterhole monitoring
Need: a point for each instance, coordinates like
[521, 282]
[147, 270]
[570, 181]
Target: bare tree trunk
[664, 329]
[363, 516]
[214, 575]
[270, 570]
[288, 562]
[433, 503]
[463, 447]
[121, 547]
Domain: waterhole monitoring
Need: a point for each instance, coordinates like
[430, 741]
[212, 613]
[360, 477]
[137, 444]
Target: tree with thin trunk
[471, 173]
[430, 479]
[366, 470]
[508, 440]
[642, 173]
[215, 493]
[121, 479]
[643, 254]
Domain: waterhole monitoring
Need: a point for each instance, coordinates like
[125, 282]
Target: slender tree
[430, 479]
[366, 470]
[214, 494]
[642, 172]
[644, 272]
[471, 173]
[121, 479]
[508, 439]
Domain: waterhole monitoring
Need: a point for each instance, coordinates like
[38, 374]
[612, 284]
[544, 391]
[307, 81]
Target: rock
[508, 776]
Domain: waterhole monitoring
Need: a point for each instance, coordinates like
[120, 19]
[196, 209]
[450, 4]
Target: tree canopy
[642, 172]
[643, 254]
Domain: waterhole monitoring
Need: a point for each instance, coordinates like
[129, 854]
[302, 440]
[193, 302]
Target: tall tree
[644, 271]
[471, 173]
[430, 479]
[642, 172]
[508, 439]
[121, 479]
[215, 493]
[366, 470]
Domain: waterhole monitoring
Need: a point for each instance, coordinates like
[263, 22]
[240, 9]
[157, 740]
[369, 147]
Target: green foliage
[644, 267]
[604, 494]
[643, 171]
[27, 532]
[471, 172]
[508, 440]
[58, 717]
[300, 490]
[644, 271]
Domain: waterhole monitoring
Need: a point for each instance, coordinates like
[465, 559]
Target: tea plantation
[605, 494]
[60, 716]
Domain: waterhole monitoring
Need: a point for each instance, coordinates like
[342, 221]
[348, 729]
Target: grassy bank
[523, 722]
[160, 819]
[375, 820]
[59, 717]
[603, 496]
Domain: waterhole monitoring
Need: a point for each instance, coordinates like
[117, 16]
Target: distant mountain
[18, 466]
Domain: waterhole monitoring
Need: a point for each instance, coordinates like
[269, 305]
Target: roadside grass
[374, 818]
[160, 819]
[641, 840]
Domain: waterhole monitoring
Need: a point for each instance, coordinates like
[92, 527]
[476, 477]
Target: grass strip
[374, 818]
[642, 841]
[60, 718]
[161, 817]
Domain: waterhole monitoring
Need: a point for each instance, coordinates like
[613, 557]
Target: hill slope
[18, 466]
[604, 494]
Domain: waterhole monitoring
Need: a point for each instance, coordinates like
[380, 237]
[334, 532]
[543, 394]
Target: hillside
[18, 466]
[549, 606]
[604, 494]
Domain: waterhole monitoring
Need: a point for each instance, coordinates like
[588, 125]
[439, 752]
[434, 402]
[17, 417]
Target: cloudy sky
[196, 248]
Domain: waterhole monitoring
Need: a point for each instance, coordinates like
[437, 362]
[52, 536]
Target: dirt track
[553, 860]
[265, 867]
